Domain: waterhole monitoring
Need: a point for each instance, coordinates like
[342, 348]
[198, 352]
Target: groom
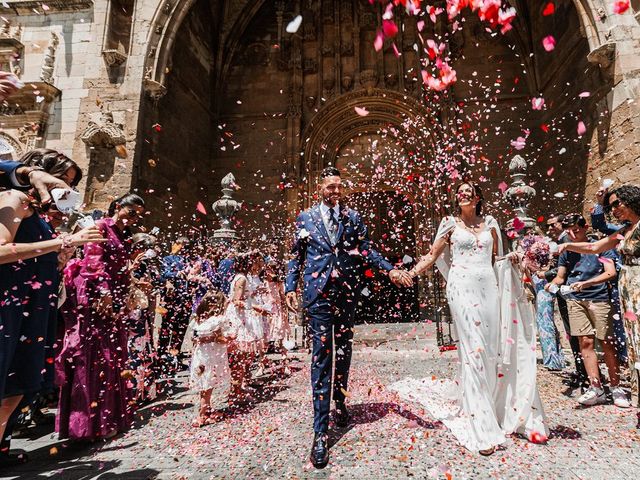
[330, 246]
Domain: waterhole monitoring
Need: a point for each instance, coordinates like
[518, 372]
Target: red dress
[95, 399]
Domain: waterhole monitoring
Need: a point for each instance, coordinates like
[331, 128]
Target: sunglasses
[615, 204]
[131, 213]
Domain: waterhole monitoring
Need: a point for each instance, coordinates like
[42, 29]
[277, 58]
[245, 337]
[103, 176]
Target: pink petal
[549, 43]
[537, 103]
[201, 209]
[503, 187]
[581, 128]
[389, 28]
[620, 6]
[378, 42]
[363, 112]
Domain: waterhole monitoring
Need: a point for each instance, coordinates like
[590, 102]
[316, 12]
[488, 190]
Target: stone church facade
[168, 96]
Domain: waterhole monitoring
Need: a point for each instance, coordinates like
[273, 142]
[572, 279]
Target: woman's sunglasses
[615, 204]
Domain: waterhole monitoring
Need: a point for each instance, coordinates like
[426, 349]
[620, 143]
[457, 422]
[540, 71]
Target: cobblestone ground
[388, 439]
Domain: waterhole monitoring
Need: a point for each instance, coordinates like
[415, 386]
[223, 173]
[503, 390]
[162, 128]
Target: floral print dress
[629, 286]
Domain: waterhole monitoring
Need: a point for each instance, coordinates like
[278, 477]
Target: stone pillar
[225, 208]
[615, 142]
[519, 194]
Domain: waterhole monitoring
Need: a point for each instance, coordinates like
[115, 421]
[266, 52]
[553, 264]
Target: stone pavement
[389, 438]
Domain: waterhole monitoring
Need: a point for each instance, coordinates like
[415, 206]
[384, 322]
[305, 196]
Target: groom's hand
[400, 278]
[292, 301]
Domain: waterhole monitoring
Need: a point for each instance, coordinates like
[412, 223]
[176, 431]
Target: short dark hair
[574, 219]
[329, 172]
[241, 263]
[629, 195]
[126, 200]
[559, 216]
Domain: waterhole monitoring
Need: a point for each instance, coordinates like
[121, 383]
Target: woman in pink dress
[95, 397]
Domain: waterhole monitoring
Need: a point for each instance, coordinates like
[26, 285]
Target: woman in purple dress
[95, 396]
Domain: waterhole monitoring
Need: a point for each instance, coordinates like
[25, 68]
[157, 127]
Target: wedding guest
[177, 303]
[95, 396]
[591, 310]
[624, 203]
[239, 310]
[28, 282]
[279, 328]
[536, 261]
[210, 363]
[141, 305]
[556, 233]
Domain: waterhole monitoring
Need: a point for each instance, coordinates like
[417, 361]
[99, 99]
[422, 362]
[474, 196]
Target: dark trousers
[573, 341]
[331, 330]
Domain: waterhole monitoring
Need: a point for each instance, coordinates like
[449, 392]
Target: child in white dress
[209, 362]
[279, 329]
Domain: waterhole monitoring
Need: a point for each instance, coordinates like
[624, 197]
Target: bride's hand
[514, 258]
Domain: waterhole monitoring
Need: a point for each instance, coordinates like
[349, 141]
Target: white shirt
[326, 216]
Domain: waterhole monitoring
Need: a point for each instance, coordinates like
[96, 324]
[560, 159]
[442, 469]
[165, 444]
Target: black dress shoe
[342, 416]
[319, 451]
[8, 460]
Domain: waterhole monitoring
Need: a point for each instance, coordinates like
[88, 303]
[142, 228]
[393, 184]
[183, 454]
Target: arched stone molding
[18, 147]
[338, 122]
[164, 27]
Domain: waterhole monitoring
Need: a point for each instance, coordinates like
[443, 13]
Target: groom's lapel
[343, 217]
[316, 216]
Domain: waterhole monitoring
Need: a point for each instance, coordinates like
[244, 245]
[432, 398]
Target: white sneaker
[593, 396]
[620, 397]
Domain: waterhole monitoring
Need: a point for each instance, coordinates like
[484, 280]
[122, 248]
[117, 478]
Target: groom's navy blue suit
[331, 273]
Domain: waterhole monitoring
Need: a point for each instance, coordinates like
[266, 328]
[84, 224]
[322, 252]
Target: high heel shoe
[487, 452]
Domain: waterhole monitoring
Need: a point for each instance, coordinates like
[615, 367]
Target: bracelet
[66, 241]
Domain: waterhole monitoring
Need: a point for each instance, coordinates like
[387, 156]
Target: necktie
[333, 226]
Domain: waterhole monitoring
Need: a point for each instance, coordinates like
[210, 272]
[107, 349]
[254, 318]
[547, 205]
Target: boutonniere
[303, 233]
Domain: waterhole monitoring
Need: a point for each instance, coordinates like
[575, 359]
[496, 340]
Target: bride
[496, 393]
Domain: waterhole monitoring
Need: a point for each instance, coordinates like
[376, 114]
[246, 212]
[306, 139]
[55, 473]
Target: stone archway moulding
[338, 122]
[171, 13]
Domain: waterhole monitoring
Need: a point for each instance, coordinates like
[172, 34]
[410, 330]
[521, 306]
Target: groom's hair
[329, 172]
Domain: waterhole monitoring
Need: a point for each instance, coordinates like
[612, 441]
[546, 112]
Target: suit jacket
[6, 168]
[315, 258]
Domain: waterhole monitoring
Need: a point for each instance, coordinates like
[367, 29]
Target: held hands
[400, 278]
[292, 301]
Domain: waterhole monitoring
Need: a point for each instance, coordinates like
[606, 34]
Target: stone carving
[113, 57]
[14, 144]
[368, 78]
[225, 208]
[28, 7]
[347, 49]
[347, 82]
[603, 55]
[519, 194]
[327, 50]
[155, 90]
[46, 74]
[104, 133]
[10, 109]
[310, 65]
[256, 54]
[368, 20]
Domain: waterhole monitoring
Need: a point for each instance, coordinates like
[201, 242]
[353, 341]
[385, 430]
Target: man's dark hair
[629, 195]
[574, 219]
[559, 216]
[329, 172]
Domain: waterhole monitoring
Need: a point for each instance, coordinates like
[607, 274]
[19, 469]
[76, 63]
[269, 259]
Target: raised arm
[13, 209]
[427, 261]
[602, 245]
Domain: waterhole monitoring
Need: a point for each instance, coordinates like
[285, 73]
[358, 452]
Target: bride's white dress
[496, 392]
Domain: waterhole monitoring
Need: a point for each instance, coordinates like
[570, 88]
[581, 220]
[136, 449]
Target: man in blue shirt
[591, 311]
